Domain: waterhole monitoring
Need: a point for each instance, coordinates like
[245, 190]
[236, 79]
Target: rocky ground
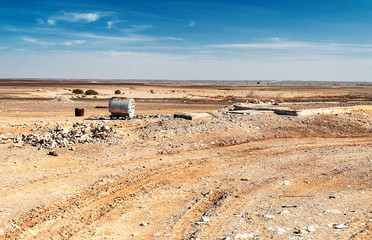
[226, 176]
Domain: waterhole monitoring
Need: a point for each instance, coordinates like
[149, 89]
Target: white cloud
[192, 23]
[79, 17]
[33, 40]
[128, 38]
[75, 42]
[109, 24]
[51, 22]
[319, 47]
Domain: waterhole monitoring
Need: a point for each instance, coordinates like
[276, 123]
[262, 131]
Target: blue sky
[226, 40]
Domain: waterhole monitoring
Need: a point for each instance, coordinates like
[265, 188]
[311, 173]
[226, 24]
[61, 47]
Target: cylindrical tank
[121, 107]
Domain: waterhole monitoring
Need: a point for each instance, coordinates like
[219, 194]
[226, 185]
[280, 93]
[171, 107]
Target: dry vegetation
[227, 176]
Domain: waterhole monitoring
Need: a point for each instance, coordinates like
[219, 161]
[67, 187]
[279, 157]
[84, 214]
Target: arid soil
[227, 176]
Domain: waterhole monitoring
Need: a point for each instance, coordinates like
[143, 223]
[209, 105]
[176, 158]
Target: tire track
[65, 219]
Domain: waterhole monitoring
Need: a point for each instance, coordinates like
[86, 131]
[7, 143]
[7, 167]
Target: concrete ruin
[250, 109]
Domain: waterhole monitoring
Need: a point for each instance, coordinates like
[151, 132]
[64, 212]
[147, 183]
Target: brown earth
[238, 176]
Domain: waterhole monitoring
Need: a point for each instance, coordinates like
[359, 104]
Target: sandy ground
[227, 176]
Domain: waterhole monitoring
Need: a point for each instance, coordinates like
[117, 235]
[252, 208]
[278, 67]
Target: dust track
[221, 183]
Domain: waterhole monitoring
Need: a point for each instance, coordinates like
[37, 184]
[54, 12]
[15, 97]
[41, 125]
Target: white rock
[311, 228]
[340, 226]
[285, 182]
[2, 231]
[334, 211]
[269, 216]
[244, 235]
[280, 231]
[205, 219]
[284, 211]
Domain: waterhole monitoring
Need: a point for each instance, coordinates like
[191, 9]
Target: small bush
[77, 91]
[117, 92]
[91, 92]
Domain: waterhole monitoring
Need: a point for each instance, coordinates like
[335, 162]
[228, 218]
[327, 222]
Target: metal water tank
[121, 107]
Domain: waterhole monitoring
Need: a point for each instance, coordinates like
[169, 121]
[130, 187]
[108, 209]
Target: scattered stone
[205, 219]
[269, 216]
[284, 212]
[191, 116]
[61, 99]
[134, 234]
[340, 226]
[281, 231]
[285, 182]
[311, 228]
[144, 224]
[226, 238]
[53, 153]
[59, 136]
[299, 231]
[244, 235]
[289, 206]
[334, 211]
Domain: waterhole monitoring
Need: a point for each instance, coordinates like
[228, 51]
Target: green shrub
[91, 92]
[77, 91]
[117, 92]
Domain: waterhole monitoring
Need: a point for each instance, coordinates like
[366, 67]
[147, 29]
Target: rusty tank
[121, 107]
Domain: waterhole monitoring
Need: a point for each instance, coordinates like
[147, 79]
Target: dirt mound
[61, 99]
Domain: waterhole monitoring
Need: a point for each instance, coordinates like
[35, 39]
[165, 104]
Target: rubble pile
[61, 99]
[60, 136]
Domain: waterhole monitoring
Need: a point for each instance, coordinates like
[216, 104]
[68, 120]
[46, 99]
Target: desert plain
[230, 175]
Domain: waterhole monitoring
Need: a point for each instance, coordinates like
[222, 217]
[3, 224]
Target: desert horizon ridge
[267, 81]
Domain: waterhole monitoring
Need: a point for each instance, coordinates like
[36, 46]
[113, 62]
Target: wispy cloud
[136, 28]
[43, 43]
[77, 17]
[75, 42]
[109, 24]
[276, 44]
[128, 38]
[192, 23]
[36, 41]
[30, 30]
[51, 22]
